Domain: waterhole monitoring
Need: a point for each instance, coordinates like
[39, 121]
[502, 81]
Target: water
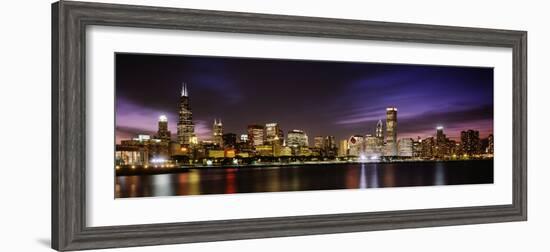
[308, 177]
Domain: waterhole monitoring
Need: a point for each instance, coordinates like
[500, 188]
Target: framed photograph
[178, 125]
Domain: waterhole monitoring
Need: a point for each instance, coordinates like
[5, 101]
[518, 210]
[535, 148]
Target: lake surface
[305, 177]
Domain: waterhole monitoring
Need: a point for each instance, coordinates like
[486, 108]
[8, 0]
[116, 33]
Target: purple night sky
[319, 97]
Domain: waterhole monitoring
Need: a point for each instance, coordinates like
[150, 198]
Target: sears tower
[186, 128]
[391, 131]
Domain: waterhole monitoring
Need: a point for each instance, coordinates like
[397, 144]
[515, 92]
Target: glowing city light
[358, 148]
[158, 160]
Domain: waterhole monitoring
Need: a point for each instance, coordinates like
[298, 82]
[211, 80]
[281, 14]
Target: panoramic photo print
[196, 125]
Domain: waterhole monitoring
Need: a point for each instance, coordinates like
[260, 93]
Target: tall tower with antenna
[186, 128]
[391, 131]
[217, 132]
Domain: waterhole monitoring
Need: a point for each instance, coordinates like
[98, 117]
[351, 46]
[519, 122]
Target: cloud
[203, 130]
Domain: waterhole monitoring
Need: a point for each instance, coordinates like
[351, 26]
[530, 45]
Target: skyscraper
[343, 148]
[440, 137]
[441, 142]
[217, 132]
[373, 146]
[186, 128]
[318, 142]
[256, 134]
[405, 146]
[356, 146]
[427, 146]
[379, 130]
[163, 133]
[272, 133]
[391, 131]
[297, 138]
[470, 141]
[329, 146]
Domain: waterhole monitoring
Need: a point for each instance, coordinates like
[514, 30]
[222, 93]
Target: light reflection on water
[439, 178]
[162, 185]
[362, 178]
[308, 177]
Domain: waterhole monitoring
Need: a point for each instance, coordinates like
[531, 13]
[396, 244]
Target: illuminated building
[277, 145]
[244, 145]
[297, 138]
[272, 133]
[405, 147]
[186, 128]
[141, 150]
[216, 153]
[217, 133]
[453, 149]
[281, 136]
[325, 145]
[417, 148]
[491, 147]
[285, 151]
[131, 155]
[142, 137]
[304, 151]
[230, 153]
[177, 150]
[391, 131]
[356, 145]
[318, 142]
[343, 148]
[428, 146]
[163, 133]
[229, 140]
[470, 142]
[256, 135]
[440, 138]
[373, 148]
[242, 154]
[379, 130]
[264, 150]
[441, 142]
[329, 146]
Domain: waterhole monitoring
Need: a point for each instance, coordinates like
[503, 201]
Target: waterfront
[305, 177]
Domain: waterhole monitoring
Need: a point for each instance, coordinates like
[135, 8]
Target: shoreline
[127, 171]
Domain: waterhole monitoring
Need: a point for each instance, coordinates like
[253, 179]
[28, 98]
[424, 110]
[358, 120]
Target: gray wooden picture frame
[69, 21]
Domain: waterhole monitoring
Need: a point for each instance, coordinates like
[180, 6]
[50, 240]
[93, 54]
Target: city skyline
[221, 85]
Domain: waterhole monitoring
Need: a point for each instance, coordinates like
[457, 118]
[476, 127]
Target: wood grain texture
[69, 20]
